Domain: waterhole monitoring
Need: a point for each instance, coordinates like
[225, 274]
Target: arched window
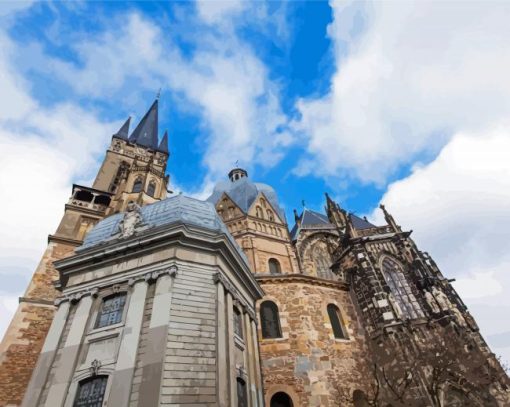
[91, 392]
[274, 266]
[270, 215]
[322, 261]
[400, 290]
[270, 320]
[281, 399]
[336, 322]
[111, 310]
[242, 396]
[137, 186]
[151, 189]
[238, 322]
[359, 399]
[259, 212]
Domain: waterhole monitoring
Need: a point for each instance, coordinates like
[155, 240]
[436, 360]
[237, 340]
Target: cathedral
[146, 298]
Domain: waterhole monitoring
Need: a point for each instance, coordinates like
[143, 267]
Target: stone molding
[301, 278]
[230, 288]
[146, 276]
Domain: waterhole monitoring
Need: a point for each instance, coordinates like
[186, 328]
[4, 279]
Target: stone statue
[442, 299]
[132, 219]
[394, 305]
[432, 302]
[458, 316]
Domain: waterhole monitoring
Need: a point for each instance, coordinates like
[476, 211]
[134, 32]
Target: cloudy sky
[395, 102]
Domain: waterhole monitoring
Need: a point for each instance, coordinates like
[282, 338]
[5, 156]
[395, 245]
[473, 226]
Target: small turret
[389, 219]
[123, 132]
[336, 215]
[236, 174]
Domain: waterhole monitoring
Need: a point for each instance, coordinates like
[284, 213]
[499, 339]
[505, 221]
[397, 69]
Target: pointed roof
[310, 220]
[163, 146]
[146, 133]
[124, 130]
[360, 223]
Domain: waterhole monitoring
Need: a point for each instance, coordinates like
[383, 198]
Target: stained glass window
[111, 310]
[270, 320]
[91, 392]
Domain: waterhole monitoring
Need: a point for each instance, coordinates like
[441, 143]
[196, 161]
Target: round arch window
[281, 399]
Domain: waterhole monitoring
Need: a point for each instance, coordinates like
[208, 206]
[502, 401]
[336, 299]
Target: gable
[261, 208]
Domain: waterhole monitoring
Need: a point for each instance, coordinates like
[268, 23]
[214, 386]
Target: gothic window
[238, 322]
[274, 266]
[259, 213]
[111, 310]
[151, 190]
[242, 396]
[91, 392]
[270, 320]
[400, 290]
[137, 186]
[322, 262]
[270, 215]
[336, 322]
[281, 399]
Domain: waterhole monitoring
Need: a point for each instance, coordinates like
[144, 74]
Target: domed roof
[244, 192]
[174, 210]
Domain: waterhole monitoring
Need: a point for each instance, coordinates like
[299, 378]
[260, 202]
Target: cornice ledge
[300, 278]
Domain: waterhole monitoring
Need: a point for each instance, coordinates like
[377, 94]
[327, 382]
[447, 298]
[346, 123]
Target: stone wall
[309, 363]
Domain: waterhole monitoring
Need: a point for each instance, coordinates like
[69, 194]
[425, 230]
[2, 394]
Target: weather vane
[158, 94]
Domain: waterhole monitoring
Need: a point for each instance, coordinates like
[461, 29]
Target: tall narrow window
[137, 186]
[111, 310]
[270, 320]
[242, 396]
[322, 262]
[151, 189]
[274, 266]
[259, 213]
[91, 392]
[399, 287]
[270, 215]
[238, 322]
[336, 322]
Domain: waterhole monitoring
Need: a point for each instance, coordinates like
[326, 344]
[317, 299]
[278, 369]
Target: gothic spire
[124, 130]
[146, 133]
[163, 146]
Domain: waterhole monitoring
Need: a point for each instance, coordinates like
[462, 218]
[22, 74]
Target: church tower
[133, 170]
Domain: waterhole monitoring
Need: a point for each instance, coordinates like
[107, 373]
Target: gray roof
[244, 192]
[310, 220]
[360, 223]
[146, 133]
[124, 130]
[174, 210]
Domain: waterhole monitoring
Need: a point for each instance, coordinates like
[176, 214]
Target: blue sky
[397, 102]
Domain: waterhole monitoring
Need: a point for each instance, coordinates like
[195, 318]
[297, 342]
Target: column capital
[154, 275]
[232, 290]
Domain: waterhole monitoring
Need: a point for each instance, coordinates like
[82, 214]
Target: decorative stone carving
[458, 317]
[95, 365]
[431, 301]
[394, 306]
[442, 299]
[131, 221]
[154, 275]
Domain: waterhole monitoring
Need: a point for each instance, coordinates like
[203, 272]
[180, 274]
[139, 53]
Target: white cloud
[412, 74]
[458, 208]
[217, 11]
[43, 151]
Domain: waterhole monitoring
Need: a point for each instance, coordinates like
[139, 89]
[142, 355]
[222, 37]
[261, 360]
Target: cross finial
[158, 94]
[303, 202]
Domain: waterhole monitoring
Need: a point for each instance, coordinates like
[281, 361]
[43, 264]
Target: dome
[244, 192]
[178, 209]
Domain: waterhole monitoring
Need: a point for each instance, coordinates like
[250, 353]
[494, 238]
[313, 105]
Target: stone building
[144, 300]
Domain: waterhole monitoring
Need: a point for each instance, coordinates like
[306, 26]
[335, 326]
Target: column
[223, 368]
[250, 352]
[64, 372]
[154, 356]
[231, 355]
[258, 370]
[126, 360]
[45, 360]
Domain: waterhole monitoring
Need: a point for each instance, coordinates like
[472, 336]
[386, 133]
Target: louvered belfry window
[111, 310]
[91, 392]
[270, 320]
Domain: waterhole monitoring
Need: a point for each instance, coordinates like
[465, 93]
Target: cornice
[300, 278]
[64, 240]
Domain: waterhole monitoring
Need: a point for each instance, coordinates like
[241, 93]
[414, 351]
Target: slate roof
[124, 130]
[360, 223]
[244, 192]
[174, 210]
[309, 220]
